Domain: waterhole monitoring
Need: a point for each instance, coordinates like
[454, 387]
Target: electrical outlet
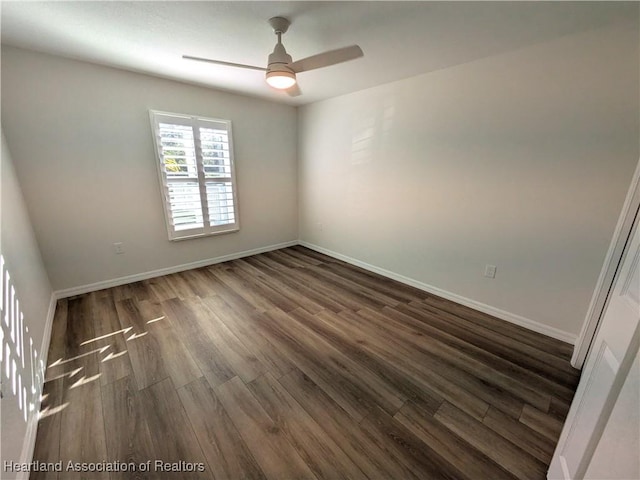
[490, 271]
[118, 248]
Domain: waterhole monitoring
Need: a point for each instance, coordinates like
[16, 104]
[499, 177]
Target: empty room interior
[320, 240]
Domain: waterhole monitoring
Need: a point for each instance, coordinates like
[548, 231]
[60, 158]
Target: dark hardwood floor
[290, 365]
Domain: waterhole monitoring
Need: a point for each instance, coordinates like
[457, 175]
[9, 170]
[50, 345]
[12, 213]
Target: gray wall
[520, 160]
[82, 144]
[27, 282]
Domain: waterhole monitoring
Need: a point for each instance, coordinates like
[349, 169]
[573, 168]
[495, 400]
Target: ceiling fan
[281, 70]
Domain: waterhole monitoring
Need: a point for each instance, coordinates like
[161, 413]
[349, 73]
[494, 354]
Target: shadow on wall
[22, 367]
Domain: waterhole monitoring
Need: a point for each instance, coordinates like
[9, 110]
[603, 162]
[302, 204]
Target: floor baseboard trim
[92, 287]
[482, 307]
[46, 337]
[29, 443]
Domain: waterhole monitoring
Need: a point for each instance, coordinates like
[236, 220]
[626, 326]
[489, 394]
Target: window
[197, 179]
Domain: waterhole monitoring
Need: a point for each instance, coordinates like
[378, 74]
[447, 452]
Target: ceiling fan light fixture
[281, 70]
[281, 79]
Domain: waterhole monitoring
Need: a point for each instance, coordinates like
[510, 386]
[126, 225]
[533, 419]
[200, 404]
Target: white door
[582, 446]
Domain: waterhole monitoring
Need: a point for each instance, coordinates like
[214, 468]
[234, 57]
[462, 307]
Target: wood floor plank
[47, 447]
[503, 344]
[120, 292]
[268, 262]
[307, 260]
[141, 291]
[283, 258]
[152, 317]
[331, 328]
[520, 435]
[131, 317]
[171, 433]
[242, 288]
[180, 286]
[176, 357]
[128, 439]
[82, 433]
[307, 252]
[58, 333]
[282, 296]
[463, 343]
[79, 327]
[503, 391]
[501, 451]
[426, 378]
[81, 360]
[541, 422]
[226, 293]
[243, 362]
[559, 408]
[160, 289]
[252, 281]
[145, 353]
[377, 299]
[114, 363]
[339, 389]
[198, 282]
[160, 336]
[560, 349]
[406, 448]
[320, 453]
[244, 328]
[275, 455]
[206, 354]
[466, 460]
[321, 298]
[348, 299]
[367, 453]
[292, 364]
[225, 451]
[396, 291]
[369, 389]
[500, 345]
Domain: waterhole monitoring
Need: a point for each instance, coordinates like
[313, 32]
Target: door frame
[605, 281]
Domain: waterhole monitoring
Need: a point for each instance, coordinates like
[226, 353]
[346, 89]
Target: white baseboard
[32, 427]
[46, 337]
[482, 307]
[92, 287]
[29, 442]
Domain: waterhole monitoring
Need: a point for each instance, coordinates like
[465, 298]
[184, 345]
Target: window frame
[195, 122]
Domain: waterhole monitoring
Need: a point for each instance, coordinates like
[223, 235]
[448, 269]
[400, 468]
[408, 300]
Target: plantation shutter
[195, 165]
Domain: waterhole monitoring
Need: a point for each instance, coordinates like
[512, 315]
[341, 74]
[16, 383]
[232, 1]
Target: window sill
[205, 234]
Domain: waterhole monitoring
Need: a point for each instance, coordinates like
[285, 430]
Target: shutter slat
[178, 150]
[196, 171]
[220, 203]
[184, 204]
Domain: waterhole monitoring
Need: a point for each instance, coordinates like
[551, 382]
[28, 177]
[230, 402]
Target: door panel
[607, 366]
[616, 455]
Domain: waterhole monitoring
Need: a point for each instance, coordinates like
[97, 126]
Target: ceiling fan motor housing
[279, 74]
[281, 70]
[279, 60]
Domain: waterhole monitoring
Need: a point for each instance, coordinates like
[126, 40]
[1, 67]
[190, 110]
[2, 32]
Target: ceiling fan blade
[327, 58]
[294, 91]
[220, 62]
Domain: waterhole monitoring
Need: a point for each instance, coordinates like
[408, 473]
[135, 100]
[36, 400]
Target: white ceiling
[399, 39]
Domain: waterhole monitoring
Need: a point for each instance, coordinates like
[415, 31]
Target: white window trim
[194, 121]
